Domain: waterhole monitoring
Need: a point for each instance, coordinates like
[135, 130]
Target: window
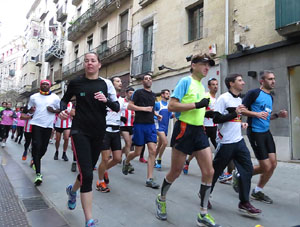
[76, 49]
[195, 22]
[90, 42]
[104, 33]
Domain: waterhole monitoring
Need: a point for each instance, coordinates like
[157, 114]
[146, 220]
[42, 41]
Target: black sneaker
[248, 209]
[56, 155]
[73, 167]
[260, 196]
[64, 157]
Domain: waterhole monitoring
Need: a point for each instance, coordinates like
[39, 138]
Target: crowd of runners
[94, 117]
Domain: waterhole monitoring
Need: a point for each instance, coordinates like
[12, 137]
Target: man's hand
[63, 115]
[50, 109]
[159, 117]
[262, 115]
[100, 97]
[31, 110]
[203, 103]
[240, 109]
[283, 114]
[148, 108]
[244, 125]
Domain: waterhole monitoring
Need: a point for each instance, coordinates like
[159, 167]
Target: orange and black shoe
[106, 179]
[102, 187]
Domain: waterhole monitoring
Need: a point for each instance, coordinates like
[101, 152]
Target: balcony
[97, 12]
[114, 49]
[142, 64]
[55, 51]
[287, 17]
[38, 61]
[74, 68]
[57, 76]
[61, 14]
[43, 14]
[34, 85]
[76, 2]
[144, 3]
[25, 90]
[55, 1]
[12, 72]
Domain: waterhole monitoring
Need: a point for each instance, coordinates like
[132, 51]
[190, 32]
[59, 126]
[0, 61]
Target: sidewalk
[130, 203]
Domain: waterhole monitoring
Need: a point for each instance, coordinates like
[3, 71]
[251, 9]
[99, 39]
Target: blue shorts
[143, 134]
[163, 128]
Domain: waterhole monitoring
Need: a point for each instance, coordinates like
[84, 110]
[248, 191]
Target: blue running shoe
[71, 197]
[91, 223]
[185, 169]
[157, 166]
[224, 177]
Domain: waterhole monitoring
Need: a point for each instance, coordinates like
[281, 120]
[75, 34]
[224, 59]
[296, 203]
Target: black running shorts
[262, 143]
[111, 141]
[127, 129]
[61, 130]
[188, 138]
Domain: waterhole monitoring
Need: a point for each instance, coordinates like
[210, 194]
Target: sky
[13, 18]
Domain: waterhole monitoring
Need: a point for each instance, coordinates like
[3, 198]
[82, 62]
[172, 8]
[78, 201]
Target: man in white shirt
[43, 105]
[231, 145]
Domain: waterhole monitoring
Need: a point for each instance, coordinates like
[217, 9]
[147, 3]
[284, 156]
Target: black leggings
[28, 137]
[40, 141]
[87, 151]
[20, 130]
[211, 133]
[5, 131]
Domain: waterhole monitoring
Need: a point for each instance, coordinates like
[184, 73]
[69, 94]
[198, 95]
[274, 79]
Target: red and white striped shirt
[27, 126]
[129, 114]
[59, 123]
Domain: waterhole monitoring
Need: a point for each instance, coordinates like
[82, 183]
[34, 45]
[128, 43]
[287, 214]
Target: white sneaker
[51, 141]
[3, 144]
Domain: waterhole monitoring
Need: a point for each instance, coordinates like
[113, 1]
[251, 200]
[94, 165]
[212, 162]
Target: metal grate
[35, 203]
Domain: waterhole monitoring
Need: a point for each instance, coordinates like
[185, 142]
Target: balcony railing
[61, 14]
[114, 49]
[97, 12]
[55, 51]
[144, 3]
[142, 64]
[74, 68]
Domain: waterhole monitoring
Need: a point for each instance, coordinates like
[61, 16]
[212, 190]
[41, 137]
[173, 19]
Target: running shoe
[150, 183]
[157, 166]
[38, 179]
[73, 167]
[71, 197]
[65, 157]
[3, 144]
[248, 209]
[130, 169]
[24, 157]
[125, 168]
[161, 209]
[102, 187]
[260, 196]
[235, 181]
[106, 179]
[91, 223]
[51, 141]
[206, 220]
[142, 160]
[55, 156]
[185, 169]
[225, 177]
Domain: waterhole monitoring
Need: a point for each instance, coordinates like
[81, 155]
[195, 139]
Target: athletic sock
[257, 189]
[204, 196]
[164, 188]
[159, 161]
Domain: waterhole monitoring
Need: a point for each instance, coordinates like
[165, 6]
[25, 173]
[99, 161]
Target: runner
[111, 141]
[20, 126]
[27, 132]
[231, 145]
[259, 103]
[2, 107]
[144, 132]
[7, 115]
[189, 102]
[163, 125]
[127, 119]
[93, 95]
[62, 127]
[43, 105]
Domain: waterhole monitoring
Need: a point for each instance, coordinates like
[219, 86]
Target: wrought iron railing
[142, 63]
[73, 67]
[61, 14]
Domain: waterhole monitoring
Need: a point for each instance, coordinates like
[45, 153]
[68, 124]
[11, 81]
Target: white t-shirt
[113, 118]
[42, 117]
[231, 131]
[208, 122]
